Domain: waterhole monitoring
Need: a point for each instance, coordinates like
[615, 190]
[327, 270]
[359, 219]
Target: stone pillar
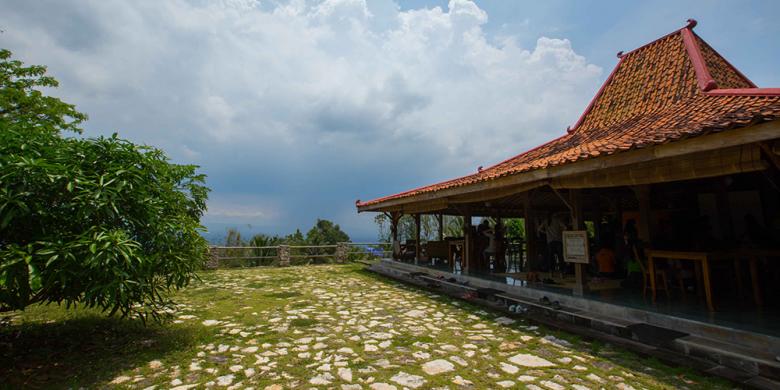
[212, 262]
[283, 252]
[342, 251]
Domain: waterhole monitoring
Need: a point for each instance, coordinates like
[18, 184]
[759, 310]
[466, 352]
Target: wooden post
[530, 232]
[394, 218]
[441, 227]
[643, 196]
[501, 260]
[577, 223]
[417, 245]
[466, 257]
[725, 223]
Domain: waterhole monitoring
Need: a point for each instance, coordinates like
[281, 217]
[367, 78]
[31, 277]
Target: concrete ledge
[741, 362]
[756, 341]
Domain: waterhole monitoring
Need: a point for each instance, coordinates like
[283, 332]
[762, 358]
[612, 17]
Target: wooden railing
[285, 255]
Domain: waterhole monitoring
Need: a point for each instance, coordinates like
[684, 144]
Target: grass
[288, 326]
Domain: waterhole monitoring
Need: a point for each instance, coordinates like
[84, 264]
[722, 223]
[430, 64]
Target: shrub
[95, 221]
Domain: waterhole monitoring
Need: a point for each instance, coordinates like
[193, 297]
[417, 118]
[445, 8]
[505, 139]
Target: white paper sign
[575, 246]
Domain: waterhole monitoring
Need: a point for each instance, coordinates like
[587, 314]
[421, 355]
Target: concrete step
[735, 356]
[611, 325]
[740, 362]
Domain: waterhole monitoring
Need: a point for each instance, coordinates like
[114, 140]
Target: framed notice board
[575, 246]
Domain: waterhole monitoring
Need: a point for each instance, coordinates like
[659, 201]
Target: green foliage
[24, 107]
[515, 228]
[296, 238]
[100, 222]
[325, 232]
[261, 240]
[453, 226]
[429, 227]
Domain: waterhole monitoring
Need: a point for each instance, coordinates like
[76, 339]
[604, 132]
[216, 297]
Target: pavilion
[676, 140]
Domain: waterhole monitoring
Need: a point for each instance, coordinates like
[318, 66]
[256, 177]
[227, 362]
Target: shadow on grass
[85, 351]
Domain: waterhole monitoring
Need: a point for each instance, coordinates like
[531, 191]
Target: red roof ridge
[703, 76]
[734, 68]
[744, 92]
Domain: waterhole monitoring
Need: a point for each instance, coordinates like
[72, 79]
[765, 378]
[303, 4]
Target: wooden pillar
[530, 233]
[643, 225]
[395, 217]
[725, 223]
[498, 230]
[577, 223]
[597, 216]
[417, 246]
[467, 244]
[441, 227]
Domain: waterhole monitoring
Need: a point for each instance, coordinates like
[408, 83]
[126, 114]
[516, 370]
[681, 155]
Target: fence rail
[285, 255]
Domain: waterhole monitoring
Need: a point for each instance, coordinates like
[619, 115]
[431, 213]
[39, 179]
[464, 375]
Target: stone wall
[211, 261]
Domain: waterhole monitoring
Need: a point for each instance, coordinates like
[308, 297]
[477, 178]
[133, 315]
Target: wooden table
[453, 247]
[702, 260]
[753, 255]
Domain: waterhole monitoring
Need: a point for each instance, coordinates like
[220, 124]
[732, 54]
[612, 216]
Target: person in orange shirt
[605, 258]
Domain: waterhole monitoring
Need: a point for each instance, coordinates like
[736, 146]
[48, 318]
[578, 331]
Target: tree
[383, 227]
[325, 232]
[100, 222]
[515, 228]
[296, 238]
[263, 240]
[429, 227]
[453, 226]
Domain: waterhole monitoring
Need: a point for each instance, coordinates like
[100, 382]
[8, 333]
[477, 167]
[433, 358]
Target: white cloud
[276, 97]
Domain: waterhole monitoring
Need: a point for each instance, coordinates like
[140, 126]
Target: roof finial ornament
[620, 54]
[357, 201]
[691, 24]
[569, 130]
[479, 168]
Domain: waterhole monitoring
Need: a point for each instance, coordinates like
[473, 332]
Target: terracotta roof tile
[656, 94]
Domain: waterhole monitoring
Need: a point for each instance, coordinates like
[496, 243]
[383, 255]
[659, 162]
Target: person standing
[553, 229]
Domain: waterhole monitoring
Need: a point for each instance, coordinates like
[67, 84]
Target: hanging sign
[575, 246]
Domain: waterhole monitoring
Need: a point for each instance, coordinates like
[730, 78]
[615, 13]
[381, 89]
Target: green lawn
[315, 327]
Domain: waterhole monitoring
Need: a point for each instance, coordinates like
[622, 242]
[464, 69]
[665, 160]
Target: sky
[296, 109]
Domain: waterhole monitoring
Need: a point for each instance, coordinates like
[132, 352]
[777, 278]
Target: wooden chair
[403, 252]
[661, 278]
[437, 250]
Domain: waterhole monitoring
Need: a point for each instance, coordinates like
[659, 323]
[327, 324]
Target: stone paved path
[336, 327]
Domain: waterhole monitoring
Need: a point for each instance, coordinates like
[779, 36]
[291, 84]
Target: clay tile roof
[675, 87]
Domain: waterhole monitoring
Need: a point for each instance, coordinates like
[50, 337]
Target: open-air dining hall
[664, 195]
